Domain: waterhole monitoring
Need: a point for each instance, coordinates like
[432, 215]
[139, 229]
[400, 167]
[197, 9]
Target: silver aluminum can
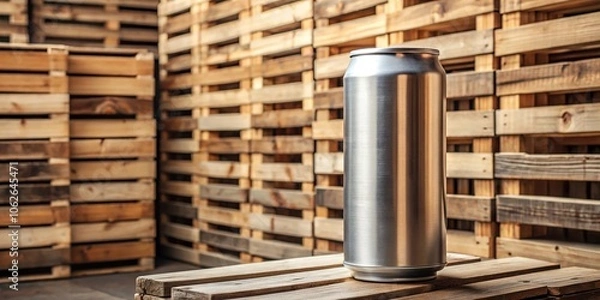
[394, 164]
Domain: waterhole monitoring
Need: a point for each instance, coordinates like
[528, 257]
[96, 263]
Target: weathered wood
[467, 242]
[33, 128]
[469, 123]
[37, 237]
[225, 240]
[578, 167]
[286, 172]
[225, 122]
[565, 253]
[280, 224]
[15, 104]
[575, 76]
[560, 33]
[330, 197]
[283, 118]
[112, 128]
[112, 212]
[223, 192]
[119, 86]
[282, 145]
[282, 198]
[542, 5]
[35, 193]
[176, 209]
[113, 148]
[14, 150]
[224, 169]
[549, 211]
[111, 252]
[114, 191]
[113, 231]
[110, 106]
[458, 45]
[226, 146]
[38, 258]
[140, 64]
[34, 171]
[38, 215]
[112, 170]
[474, 208]
[330, 229]
[223, 216]
[556, 119]
[178, 231]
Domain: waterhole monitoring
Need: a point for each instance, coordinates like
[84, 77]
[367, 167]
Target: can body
[394, 164]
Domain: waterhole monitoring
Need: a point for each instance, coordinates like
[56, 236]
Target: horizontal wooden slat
[38, 258]
[280, 224]
[330, 229]
[114, 191]
[35, 193]
[574, 76]
[224, 169]
[333, 8]
[112, 128]
[113, 231]
[470, 165]
[111, 106]
[283, 172]
[111, 252]
[330, 197]
[140, 65]
[111, 212]
[542, 5]
[30, 60]
[458, 45]
[282, 198]
[277, 249]
[112, 148]
[181, 232]
[34, 171]
[183, 210]
[340, 33]
[582, 167]
[473, 208]
[225, 240]
[119, 86]
[225, 122]
[223, 216]
[564, 32]
[27, 104]
[112, 170]
[283, 145]
[34, 128]
[281, 93]
[565, 253]
[472, 123]
[466, 242]
[37, 237]
[558, 119]
[549, 211]
[37, 215]
[18, 150]
[224, 192]
[283, 118]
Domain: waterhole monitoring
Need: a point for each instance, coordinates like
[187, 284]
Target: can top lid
[395, 50]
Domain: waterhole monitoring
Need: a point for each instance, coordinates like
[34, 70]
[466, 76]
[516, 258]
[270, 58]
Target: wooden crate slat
[582, 167]
[114, 191]
[112, 170]
[113, 231]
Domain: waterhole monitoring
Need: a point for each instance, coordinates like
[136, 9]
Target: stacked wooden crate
[14, 21]
[464, 34]
[179, 57]
[34, 154]
[112, 160]
[549, 129]
[339, 29]
[97, 23]
[282, 113]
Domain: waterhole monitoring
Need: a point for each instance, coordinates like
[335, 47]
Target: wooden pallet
[159, 286]
[14, 21]
[282, 147]
[465, 278]
[34, 153]
[548, 130]
[329, 223]
[112, 160]
[97, 23]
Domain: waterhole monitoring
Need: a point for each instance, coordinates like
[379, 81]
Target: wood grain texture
[15, 104]
[110, 106]
[33, 150]
[284, 172]
[36, 171]
[282, 145]
[549, 211]
[112, 128]
[111, 252]
[556, 119]
[113, 148]
[111, 212]
[565, 253]
[113, 231]
[38, 258]
[330, 197]
[224, 192]
[577, 167]
[35, 193]
[474, 208]
[282, 198]
[37, 237]
[114, 191]
[112, 170]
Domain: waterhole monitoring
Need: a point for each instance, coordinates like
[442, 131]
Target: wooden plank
[282, 42]
[114, 191]
[282, 198]
[111, 212]
[113, 148]
[224, 169]
[331, 8]
[113, 231]
[332, 66]
[451, 276]
[183, 210]
[35, 193]
[578, 167]
[470, 84]
[565, 253]
[474, 208]
[213, 259]
[549, 211]
[225, 240]
[328, 130]
[33, 128]
[38, 258]
[427, 14]
[280, 224]
[111, 252]
[469, 243]
[283, 66]
[15, 104]
[37, 215]
[225, 122]
[470, 165]
[330, 197]
[226, 146]
[180, 124]
[344, 32]
[138, 65]
[556, 119]
[542, 5]
[458, 45]
[282, 93]
[110, 106]
[223, 216]
[112, 170]
[181, 232]
[37, 236]
[183, 188]
[282, 145]
[119, 86]
[329, 163]
[283, 118]
[179, 252]
[224, 192]
[282, 172]
[575, 76]
[330, 99]
[330, 229]
[470, 123]
[112, 128]
[34, 171]
[21, 150]
[180, 145]
[564, 32]
[277, 249]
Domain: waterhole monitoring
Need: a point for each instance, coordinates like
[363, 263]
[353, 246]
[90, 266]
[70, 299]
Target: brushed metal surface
[394, 164]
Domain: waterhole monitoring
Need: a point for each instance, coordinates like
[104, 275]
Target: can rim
[395, 50]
